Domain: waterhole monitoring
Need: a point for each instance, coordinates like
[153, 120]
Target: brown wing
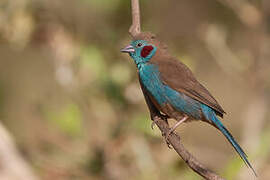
[178, 76]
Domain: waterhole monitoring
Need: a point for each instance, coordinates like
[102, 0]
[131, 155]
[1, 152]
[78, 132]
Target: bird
[170, 87]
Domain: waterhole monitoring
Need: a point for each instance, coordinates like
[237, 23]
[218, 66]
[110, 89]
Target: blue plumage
[163, 94]
[173, 90]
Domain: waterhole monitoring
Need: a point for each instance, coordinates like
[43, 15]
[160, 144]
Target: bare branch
[191, 161]
[135, 28]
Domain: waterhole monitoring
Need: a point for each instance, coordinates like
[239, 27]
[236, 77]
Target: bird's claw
[166, 135]
[164, 117]
[169, 144]
[170, 132]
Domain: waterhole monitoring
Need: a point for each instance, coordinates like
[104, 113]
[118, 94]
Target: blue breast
[150, 77]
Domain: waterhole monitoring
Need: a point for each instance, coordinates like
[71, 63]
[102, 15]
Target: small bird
[171, 88]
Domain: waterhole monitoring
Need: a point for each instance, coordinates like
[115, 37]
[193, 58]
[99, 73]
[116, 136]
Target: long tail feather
[211, 116]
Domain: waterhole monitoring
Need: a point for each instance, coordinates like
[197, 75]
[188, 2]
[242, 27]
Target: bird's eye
[139, 44]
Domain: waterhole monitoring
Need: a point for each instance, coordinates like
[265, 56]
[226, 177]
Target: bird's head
[142, 48]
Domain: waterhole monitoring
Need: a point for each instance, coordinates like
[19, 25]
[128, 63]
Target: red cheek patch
[146, 51]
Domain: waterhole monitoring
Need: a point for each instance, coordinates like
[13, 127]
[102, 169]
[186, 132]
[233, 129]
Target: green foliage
[233, 168]
[68, 119]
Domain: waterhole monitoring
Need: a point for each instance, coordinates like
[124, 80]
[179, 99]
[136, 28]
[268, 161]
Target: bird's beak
[128, 49]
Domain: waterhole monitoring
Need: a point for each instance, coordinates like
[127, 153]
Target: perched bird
[171, 88]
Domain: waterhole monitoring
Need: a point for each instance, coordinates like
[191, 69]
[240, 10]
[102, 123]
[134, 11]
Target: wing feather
[179, 77]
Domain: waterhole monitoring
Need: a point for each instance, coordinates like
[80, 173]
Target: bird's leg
[175, 126]
[178, 123]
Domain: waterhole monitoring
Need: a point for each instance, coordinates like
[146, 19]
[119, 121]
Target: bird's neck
[141, 65]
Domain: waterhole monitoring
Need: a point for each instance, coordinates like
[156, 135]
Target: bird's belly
[168, 99]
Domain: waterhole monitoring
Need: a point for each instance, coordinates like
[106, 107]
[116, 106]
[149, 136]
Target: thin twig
[161, 121]
[135, 28]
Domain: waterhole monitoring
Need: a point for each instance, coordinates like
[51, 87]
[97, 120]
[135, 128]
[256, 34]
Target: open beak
[128, 49]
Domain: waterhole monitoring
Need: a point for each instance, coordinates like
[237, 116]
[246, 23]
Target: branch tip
[135, 28]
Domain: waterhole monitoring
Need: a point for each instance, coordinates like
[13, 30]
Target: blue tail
[211, 116]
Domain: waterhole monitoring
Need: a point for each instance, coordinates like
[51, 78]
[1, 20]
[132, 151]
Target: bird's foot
[167, 140]
[168, 134]
[169, 144]
[171, 130]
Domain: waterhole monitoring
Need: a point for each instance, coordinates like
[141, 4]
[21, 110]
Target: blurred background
[71, 106]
